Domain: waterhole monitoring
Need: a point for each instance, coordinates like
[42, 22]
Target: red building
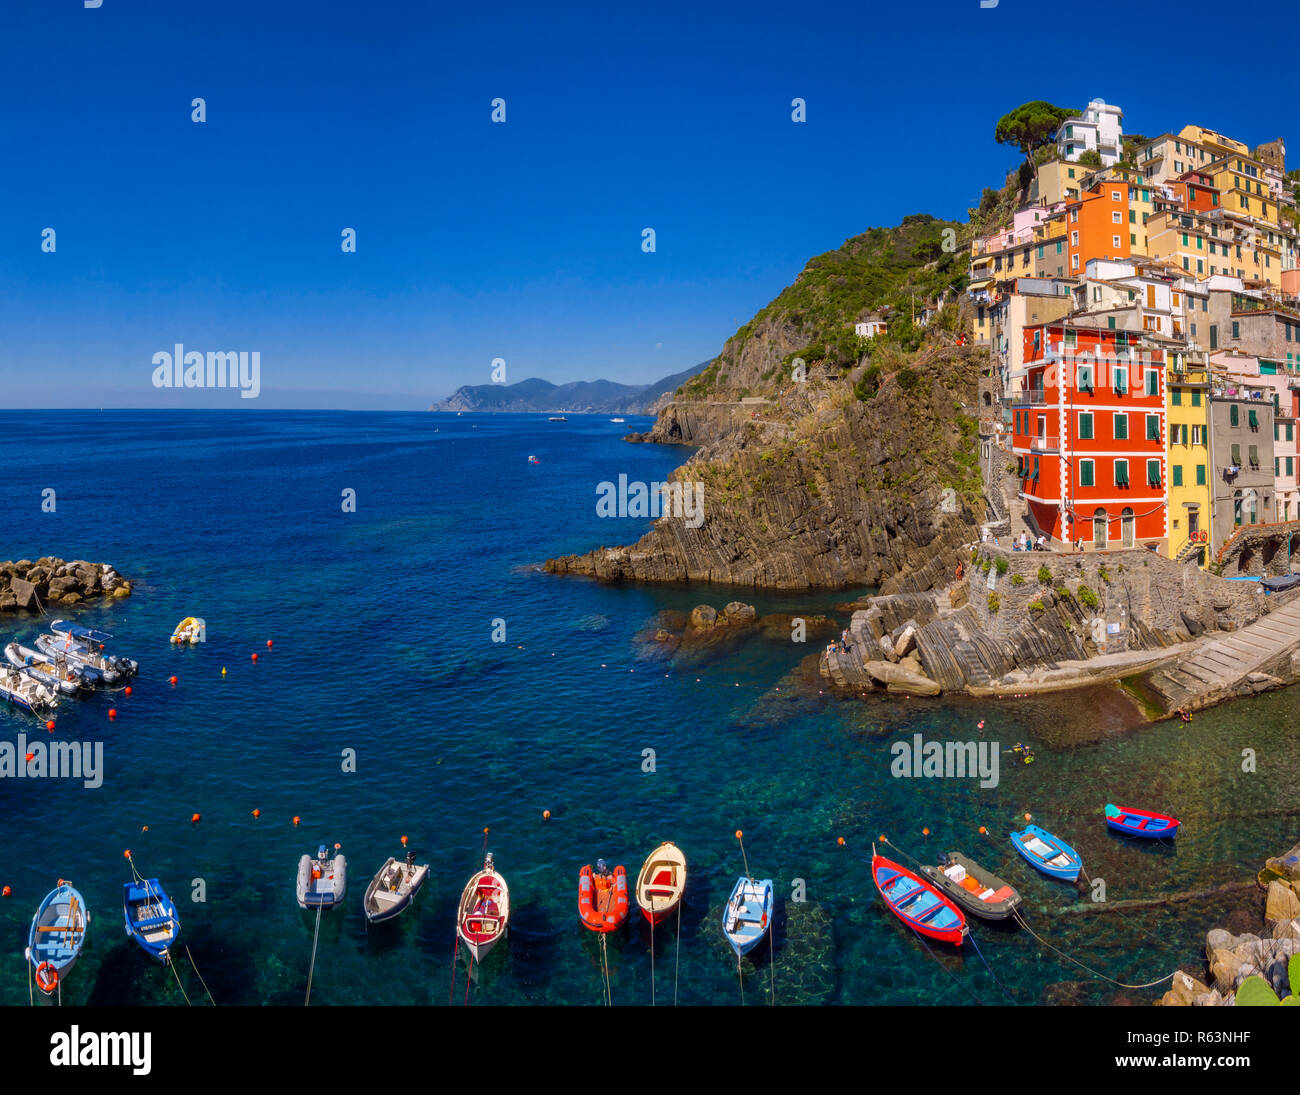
[1089, 437]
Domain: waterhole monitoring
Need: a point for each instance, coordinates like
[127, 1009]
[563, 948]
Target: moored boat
[151, 918]
[57, 935]
[484, 913]
[916, 903]
[1141, 823]
[55, 672]
[86, 647]
[323, 881]
[973, 889]
[662, 881]
[602, 897]
[393, 888]
[191, 630]
[747, 917]
[1050, 854]
[23, 691]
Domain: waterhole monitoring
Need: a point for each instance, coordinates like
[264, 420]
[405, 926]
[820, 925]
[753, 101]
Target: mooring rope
[172, 966]
[604, 962]
[1150, 984]
[195, 968]
[312, 968]
[971, 937]
[31, 1000]
[469, 979]
[652, 951]
[677, 961]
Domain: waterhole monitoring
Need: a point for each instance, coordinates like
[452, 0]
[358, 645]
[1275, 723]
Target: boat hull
[999, 905]
[916, 903]
[1141, 823]
[747, 917]
[484, 915]
[661, 882]
[377, 908]
[58, 933]
[614, 915]
[151, 918]
[1050, 854]
[326, 891]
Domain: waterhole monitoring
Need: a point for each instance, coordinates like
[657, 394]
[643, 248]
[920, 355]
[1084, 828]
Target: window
[1236, 455]
[1084, 378]
[1153, 473]
[1290, 431]
[1153, 427]
[1069, 172]
[1121, 427]
[1252, 418]
[1114, 242]
[1198, 433]
[1110, 322]
[1121, 473]
[1290, 465]
[1040, 251]
[1153, 382]
[1175, 397]
[1121, 377]
[1234, 416]
[1200, 475]
[1252, 455]
[1085, 425]
[1115, 217]
[1214, 332]
[1177, 470]
[1087, 474]
[1059, 246]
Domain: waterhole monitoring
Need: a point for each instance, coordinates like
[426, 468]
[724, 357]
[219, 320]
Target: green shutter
[1234, 415]
[1085, 473]
[1153, 427]
[1176, 397]
[1200, 475]
[1178, 475]
[1121, 427]
[1085, 426]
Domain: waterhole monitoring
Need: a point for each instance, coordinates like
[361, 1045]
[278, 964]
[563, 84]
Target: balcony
[1030, 399]
[1048, 443]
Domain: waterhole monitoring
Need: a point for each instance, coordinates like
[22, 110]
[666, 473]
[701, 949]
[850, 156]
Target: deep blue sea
[382, 623]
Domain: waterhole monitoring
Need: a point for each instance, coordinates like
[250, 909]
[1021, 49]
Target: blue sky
[476, 241]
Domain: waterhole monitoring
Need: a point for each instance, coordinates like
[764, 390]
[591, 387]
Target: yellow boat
[191, 630]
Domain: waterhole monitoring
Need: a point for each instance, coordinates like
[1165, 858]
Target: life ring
[44, 969]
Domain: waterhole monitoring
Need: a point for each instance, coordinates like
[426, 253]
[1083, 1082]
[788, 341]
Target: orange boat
[602, 898]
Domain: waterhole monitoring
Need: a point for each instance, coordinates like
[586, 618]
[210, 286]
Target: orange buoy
[983, 831]
[112, 712]
[29, 757]
[268, 644]
[981, 724]
[925, 832]
[546, 815]
[126, 854]
[485, 830]
[739, 834]
[257, 813]
[337, 846]
[296, 819]
[195, 818]
[172, 680]
[403, 840]
[50, 726]
[144, 828]
[1029, 817]
[5, 892]
[254, 657]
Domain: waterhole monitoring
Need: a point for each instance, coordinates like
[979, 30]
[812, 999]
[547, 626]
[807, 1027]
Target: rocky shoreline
[26, 586]
[1232, 959]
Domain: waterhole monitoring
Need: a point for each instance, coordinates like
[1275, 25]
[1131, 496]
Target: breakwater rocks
[1034, 621]
[25, 585]
[1231, 959]
[820, 487]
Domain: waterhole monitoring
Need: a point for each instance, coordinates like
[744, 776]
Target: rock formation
[26, 586]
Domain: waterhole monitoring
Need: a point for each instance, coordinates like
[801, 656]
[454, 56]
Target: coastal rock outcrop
[818, 488]
[705, 632]
[26, 586]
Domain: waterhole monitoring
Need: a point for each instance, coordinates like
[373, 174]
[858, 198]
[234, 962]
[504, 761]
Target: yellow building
[1243, 190]
[1188, 403]
[1056, 182]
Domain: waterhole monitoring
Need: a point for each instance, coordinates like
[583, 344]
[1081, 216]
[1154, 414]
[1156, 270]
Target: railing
[1049, 443]
[1028, 399]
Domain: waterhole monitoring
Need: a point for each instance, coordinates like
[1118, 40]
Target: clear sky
[520, 240]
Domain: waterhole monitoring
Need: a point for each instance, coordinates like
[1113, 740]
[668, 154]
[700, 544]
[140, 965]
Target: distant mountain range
[579, 397]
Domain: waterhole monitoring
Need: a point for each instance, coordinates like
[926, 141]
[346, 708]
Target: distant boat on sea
[618, 420]
[557, 418]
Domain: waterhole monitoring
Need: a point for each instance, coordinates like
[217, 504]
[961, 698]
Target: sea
[418, 676]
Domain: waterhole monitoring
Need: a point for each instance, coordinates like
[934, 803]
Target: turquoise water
[382, 623]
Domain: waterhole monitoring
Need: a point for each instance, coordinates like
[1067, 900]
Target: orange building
[1096, 225]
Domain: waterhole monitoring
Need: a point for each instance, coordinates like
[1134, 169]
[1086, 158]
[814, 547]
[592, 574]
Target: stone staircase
[1241, 662]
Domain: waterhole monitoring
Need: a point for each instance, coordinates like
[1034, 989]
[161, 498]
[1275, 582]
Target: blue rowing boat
[916, 903]
[57, 934]
[748, 915]
[151, 918]
[1142, 823]
[1050, 854]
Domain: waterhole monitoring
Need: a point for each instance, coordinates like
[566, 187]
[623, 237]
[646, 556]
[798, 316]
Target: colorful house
[1090, 437]
[1188, 386]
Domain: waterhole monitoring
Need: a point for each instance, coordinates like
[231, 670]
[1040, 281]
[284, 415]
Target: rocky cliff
[825, 485]
[26, 585]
